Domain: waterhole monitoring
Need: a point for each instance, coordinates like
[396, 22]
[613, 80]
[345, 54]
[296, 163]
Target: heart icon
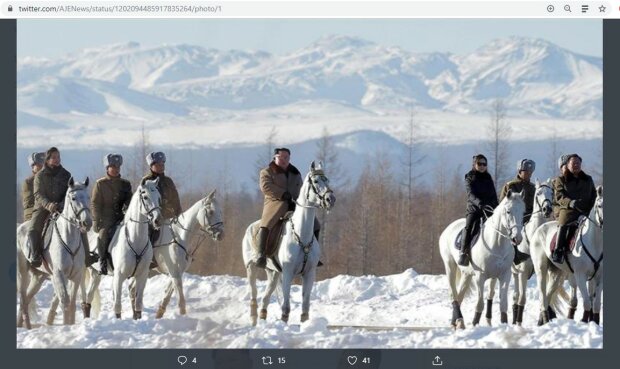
[352, 360]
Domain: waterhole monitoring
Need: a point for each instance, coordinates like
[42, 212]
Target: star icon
[602, 9]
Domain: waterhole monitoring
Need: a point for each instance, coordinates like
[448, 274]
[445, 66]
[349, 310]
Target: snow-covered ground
[218, 317]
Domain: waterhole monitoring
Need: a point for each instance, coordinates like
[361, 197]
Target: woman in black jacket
[481, 201]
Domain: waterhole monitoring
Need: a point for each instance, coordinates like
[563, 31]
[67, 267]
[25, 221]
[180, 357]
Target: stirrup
[36, 261]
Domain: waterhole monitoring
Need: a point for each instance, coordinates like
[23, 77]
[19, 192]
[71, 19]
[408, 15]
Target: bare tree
[554, 154]
[139, 167]
[264, 156]
[499, 133]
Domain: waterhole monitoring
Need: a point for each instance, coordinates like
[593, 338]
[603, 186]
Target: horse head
[598, 206]
[210, 217]
[150, 200]
[319, 192]
[512, 215]
[544, 197]
[77, 202]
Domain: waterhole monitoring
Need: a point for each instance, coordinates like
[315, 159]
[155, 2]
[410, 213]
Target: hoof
[86, 309]
[596, 318]
[460, 324]
[305, 317]
[263, 314]
[571, 313]
[285, 318]
[182, 310]
[137, 315]
[543, 318]
[118, 315]
[476, 320]
[504, 318]
[587, 316]
[160, 312]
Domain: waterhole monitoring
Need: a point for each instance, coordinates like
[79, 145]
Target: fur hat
[527, 165]
[155, 157]
[563, 160]
[36, 158]
[277, 150]
[113, 159]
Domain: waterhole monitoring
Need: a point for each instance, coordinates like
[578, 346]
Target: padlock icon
[10, 8]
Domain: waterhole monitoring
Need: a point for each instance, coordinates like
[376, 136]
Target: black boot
[560, 247]
[89, 258]
[103, 256]
[37, 248]
[263, 233]
[465, 248]
[316, 235]
[519, 256]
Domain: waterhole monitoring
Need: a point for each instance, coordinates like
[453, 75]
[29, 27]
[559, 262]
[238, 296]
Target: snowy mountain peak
[340, 42]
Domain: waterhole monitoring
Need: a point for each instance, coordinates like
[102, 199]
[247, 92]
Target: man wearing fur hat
[575, 195]
[110, 198]
[280, 182]
[525, 169]
[36, 161]
[170, 202]
[50, 186]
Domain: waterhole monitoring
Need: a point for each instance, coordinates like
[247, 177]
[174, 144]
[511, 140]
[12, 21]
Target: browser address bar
[306, 9]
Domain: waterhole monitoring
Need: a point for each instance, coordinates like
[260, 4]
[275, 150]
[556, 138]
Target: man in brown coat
[36, 161]
[525, 169]
[110, 199]
[280, 182]
[575, 195]
[170, 201]
[50, 186]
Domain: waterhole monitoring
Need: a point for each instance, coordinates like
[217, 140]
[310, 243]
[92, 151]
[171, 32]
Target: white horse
[131, 248]
[173, 250]
[583, 266]
[299, 250]
[491, 256]
[543, 200]
[63, 257]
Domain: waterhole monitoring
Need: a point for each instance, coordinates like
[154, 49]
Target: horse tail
[559, 298]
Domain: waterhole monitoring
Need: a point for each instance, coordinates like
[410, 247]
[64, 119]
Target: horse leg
[88, 294]
[140, 285]
[598, 289]
[541, 278]
[582, 284]
[251, 273]
[178, 284]
[504, 283]
[60, 288]
[451, 274]
[287, 279]
[307, 282]
[521, 291]
[75, 285]
[480, 303]
[132, 293]
[573, 301]
[23, 282]
[490, 296]
[118, 290]
[51, 315]
[164, 303]
[272, 282]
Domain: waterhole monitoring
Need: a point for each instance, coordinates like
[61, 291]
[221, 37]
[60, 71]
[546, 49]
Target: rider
[280, 182]
[50, 187]
[111, 197]
[170, 202]
[36, 161]
[525, 168]
[481, 201]
[575, 195]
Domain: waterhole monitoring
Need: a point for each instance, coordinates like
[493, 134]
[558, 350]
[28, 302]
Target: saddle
[274, 238]
[458, 242]
[572, 239]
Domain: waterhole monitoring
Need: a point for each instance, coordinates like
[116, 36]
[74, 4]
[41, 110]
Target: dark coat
[28, 197]
[529, 191]
[567, 188]
[170, 201]
[480, 191]
[274, 182]
[111, 196]
[50, 186]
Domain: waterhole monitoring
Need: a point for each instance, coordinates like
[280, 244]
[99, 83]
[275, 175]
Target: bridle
[322, 196]
[149, 212]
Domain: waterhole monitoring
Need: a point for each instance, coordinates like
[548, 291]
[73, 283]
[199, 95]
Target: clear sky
[53, 38]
